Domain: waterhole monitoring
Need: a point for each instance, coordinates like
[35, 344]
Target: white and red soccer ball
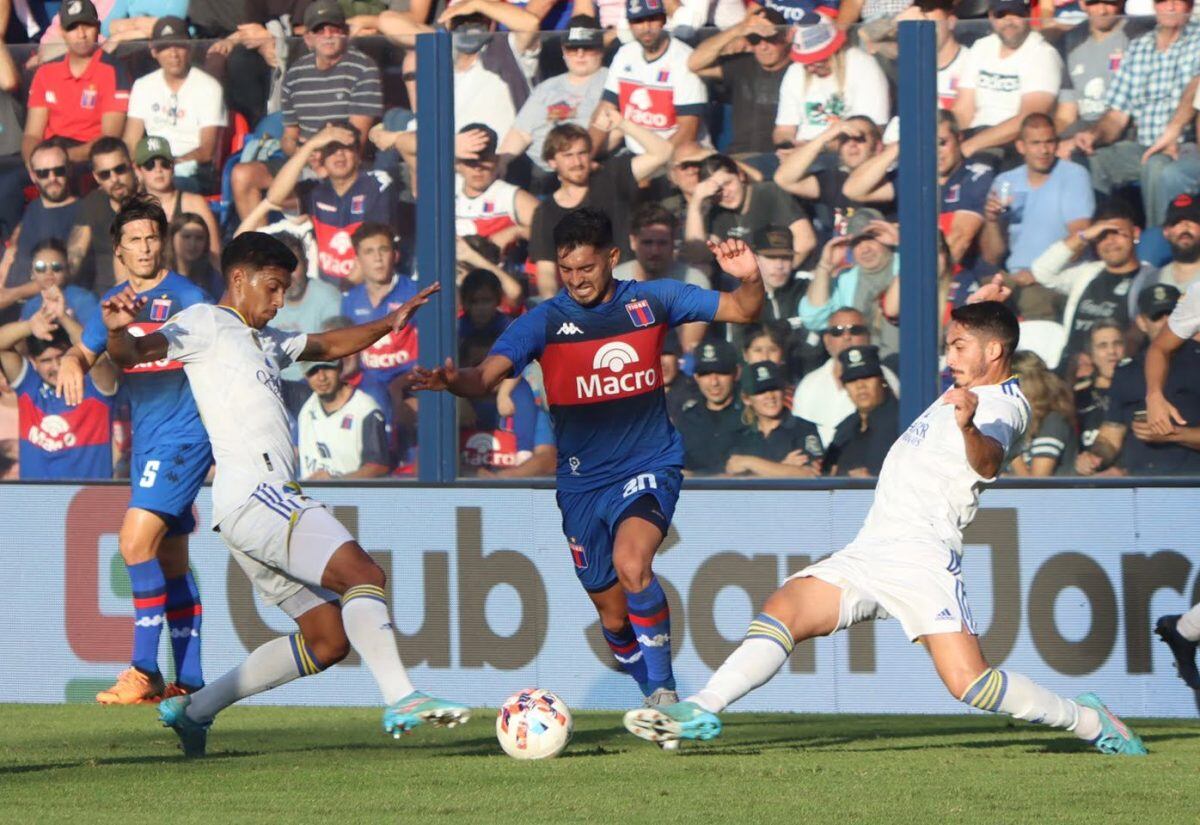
[534, 724]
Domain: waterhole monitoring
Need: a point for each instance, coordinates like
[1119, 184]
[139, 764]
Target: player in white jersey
[906, 560]
[298, 555]
[1181, 633]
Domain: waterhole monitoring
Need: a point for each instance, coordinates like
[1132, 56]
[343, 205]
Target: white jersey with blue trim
[1185, 319]
[927, 490]
[233, 370]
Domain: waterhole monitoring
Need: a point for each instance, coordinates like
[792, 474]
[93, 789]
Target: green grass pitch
[294, 765]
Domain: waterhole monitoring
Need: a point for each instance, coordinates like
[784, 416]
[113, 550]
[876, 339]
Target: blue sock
[184, 614]
[651, 620]
[627, 652]
[149, 604]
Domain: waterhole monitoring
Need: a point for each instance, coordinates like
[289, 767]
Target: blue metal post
[437, 423]
[917, 186]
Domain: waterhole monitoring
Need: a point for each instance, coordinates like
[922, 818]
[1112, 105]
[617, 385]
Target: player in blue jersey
[171, 457]
[599, 343]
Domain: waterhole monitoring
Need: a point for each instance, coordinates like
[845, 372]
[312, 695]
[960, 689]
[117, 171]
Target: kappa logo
[614, 356]
[657, 640]
[569, 328]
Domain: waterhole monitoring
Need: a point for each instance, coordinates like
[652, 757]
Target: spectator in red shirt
[81, 96]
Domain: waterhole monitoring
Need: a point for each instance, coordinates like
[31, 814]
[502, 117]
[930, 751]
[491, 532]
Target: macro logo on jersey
[492, 448]
[335, 218]
[140, 328]
[585, 372]
[394, 350]
[648, 106]
[81, 426]
[58, 441]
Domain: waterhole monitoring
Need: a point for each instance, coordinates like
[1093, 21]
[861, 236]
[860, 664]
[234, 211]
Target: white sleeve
[190, 334]
[138, 100]
[611, 83]
[213, 112]
[970, 69]
[689, 89]
[791, 96]
[1041, 71]
[867, 88]
[288, 345]
[1185, 319]
[1001, 417]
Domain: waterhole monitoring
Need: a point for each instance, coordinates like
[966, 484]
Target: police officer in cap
[710, 426]
[863, 439]
[774, 443]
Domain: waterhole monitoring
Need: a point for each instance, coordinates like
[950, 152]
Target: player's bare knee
[632, 568]
[134, 546]
[330, 648]
[614, 621]
[959, 681]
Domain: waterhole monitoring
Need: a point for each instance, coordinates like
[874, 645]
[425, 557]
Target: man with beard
[1090, 70]
[342, 433]
[1181, 228]
[89, 246]
[50, 215]
[1097, 290]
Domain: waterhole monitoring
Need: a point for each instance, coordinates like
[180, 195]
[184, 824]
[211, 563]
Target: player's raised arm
[984, 453]
[126, 350]
[472, 382]
[338, 343]
[743, 305]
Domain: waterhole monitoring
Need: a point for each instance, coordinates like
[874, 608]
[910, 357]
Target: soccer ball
[534, 724]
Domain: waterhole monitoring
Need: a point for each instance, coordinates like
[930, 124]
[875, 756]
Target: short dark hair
[50, 143]
[106, 146]
[583, 227]
[484, 246]
[946, 118]
[1115, 208]
[994, 320]
[370, 229]
[139, 207]
[718, 163]
[653, 214]
[58, 339]
[349, 127]
[1037, 119]
[480, 280]
[49, 243]
[871, 126]
[256, 250]
[296, 247]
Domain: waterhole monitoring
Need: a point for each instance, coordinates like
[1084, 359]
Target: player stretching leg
[1165, 423]
[599, 343]
[906, 560]
[170, 459]
[296, 553]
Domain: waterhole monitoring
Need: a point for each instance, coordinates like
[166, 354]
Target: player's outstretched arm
[743, 305]
[1161, 415]
[472, 382]
[125, 350]
[338, 343]
[984, 454]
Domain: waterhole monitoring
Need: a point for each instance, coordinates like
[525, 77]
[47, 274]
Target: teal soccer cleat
[1115, 736]
[670, 723]
[418, 709]
[193, 735]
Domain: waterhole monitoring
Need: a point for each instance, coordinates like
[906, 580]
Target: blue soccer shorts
[166, 480]
[591, 518]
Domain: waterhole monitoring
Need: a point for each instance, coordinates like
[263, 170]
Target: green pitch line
[299, 765]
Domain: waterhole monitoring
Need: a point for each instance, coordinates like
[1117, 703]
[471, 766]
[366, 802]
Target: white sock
[1189, 625]
[369, 629]
[276, 663]
[1001, 691]
[764, 650]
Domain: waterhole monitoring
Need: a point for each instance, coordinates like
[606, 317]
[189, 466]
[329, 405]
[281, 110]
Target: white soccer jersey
[927, 490]
[1185, 319]
[485, 214]
[340, 442]
[655, 94]
[233, 370]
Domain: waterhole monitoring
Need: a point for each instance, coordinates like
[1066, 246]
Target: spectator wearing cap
[484, 204]
[1032, 206]
[50, 215]
[308, 304]
[773, 245]
[347, 197]
[772, 443]
[181, 103]
[804, 173]
[1009, 75]
[650, 85]
[727, 205]
[156, 171]
[710, 427]
[837, 283]
[862, 439]
[951, 56]
[611, 187]
[89, 246]
[680, 388]
[962, 188]
[130, 20]
[1049, 446]
[1125, 445]
[1105, 349]
[1100, 289]
[571, 97]
[1090, 69]
[341, 430]
[748, 77]
[766, 341]
[81, 96]
[1150, 82]
[829, 80]
[821, 397]
[1181, 229]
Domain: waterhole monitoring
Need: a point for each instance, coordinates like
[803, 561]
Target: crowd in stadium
[1066, 161]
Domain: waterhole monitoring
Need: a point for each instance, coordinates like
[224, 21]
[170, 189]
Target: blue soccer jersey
[161, 405]
[395, 353]
[601, 369]
[58, 441]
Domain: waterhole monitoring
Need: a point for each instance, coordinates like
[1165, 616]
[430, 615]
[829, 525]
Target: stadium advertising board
[1064, 585]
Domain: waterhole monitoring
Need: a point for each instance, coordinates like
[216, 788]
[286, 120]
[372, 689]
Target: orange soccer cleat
[133, 688]
[175, 689]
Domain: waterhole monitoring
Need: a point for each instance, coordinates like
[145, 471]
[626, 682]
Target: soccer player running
[298, 556]
[599, 342]
[170, 460]
[906, 560]
[1165, 423]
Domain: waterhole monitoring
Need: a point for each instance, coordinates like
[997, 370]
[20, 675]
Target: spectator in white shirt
[341, 429]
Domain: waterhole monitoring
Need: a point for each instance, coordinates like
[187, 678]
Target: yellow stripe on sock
[310, 667]
[991, 689]
[763, 629]
[361, 590]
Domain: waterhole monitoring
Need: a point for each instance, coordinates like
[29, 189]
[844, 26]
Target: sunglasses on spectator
[847, 329]
[42, 267]
[157, 163]
[55, 171]
[105, 174]
[755, 39]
